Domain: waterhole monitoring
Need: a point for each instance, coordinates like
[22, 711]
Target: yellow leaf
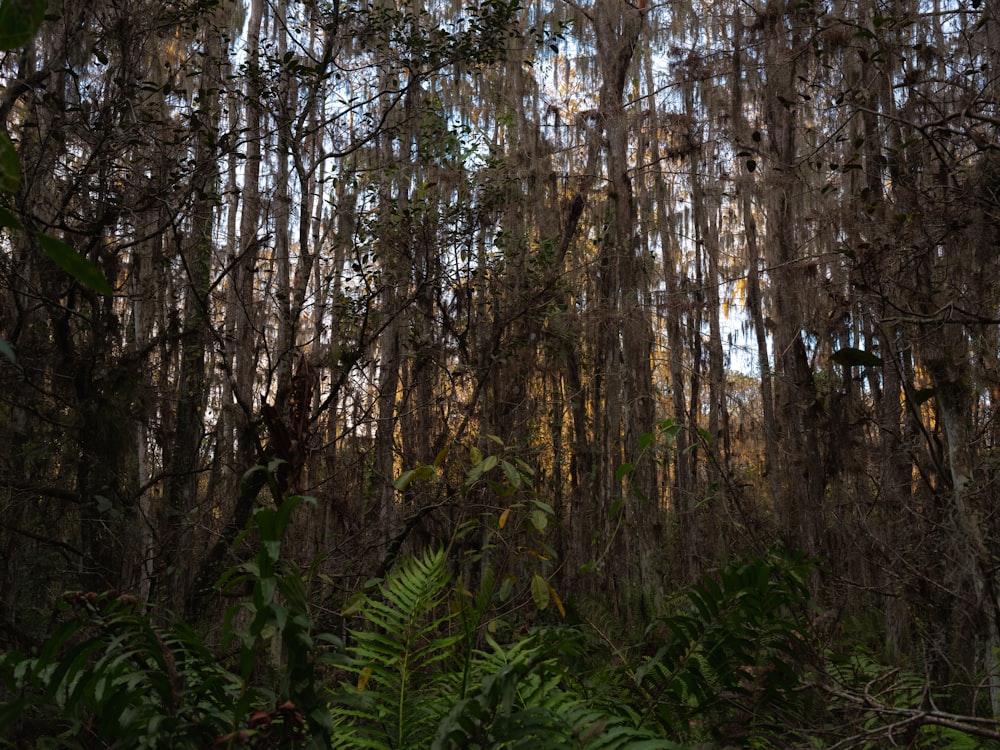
[503, 518]
[366, 674]
[556, 600]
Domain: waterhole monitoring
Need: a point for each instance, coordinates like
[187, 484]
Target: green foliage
[665, 434]
[735, 666]
[109, 676]
[415, 684]
[278, 612]
[399, 664]
[19, 22]
[526, 698]
[108, 673]
[74, 264]
[739, 648]
[513, 550]
[884, 706]
[10, 177]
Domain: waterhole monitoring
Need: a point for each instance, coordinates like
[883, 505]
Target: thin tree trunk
[754, 302]
[182, 491]
[625, 328]
[799, 503]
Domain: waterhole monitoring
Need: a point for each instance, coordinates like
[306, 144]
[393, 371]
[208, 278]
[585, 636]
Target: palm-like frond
[396, 662]
[737, 647]
[526, 701]
[405, 694]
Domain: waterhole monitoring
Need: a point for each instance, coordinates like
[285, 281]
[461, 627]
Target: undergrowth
[735, 663]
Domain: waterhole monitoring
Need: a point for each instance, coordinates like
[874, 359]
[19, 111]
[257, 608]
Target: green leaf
[506, 588]
[354, 605]
[669, 428]
[615, 507]
[404, 480]
[19, 21]
[623, 471]
[543, 506]
[850, 357]
[420, 471]
[540, 591]
[10, 165]
[645, 439]
[8, 351]
[474, 473]
[74, 264]
[7, 219]
[539, 520]
[512, 474]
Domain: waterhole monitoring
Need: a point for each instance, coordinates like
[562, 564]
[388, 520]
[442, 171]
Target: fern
[526, 700]
[397, 663]
[408, 688]
[109, 675]
[737, 648]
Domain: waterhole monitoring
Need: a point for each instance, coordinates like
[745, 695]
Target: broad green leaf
[420, 471]
[539, 520]
[474, 473]
[10, 165]
[439, 459]
[19, 21]
[540, 591]
[512, 474]
[645, 439]
[8, 351]
[669, 428]
[8, 220]
[404, 480]
[851, 357]
[623, 471]
[490, 463]
[543, 506]
[75, 264]
[506, 588]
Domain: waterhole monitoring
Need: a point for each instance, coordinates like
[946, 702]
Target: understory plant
[735, 664]
[416, 680]
[731, 662]
[110, 676]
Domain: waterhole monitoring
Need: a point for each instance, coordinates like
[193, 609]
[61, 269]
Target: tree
[717, 274]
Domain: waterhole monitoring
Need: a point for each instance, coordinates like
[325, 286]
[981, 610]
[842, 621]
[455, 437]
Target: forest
[500, 374]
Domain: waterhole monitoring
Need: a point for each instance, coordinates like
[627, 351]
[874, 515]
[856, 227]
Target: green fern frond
[527, 701]
[738, 646]
[396, 663]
